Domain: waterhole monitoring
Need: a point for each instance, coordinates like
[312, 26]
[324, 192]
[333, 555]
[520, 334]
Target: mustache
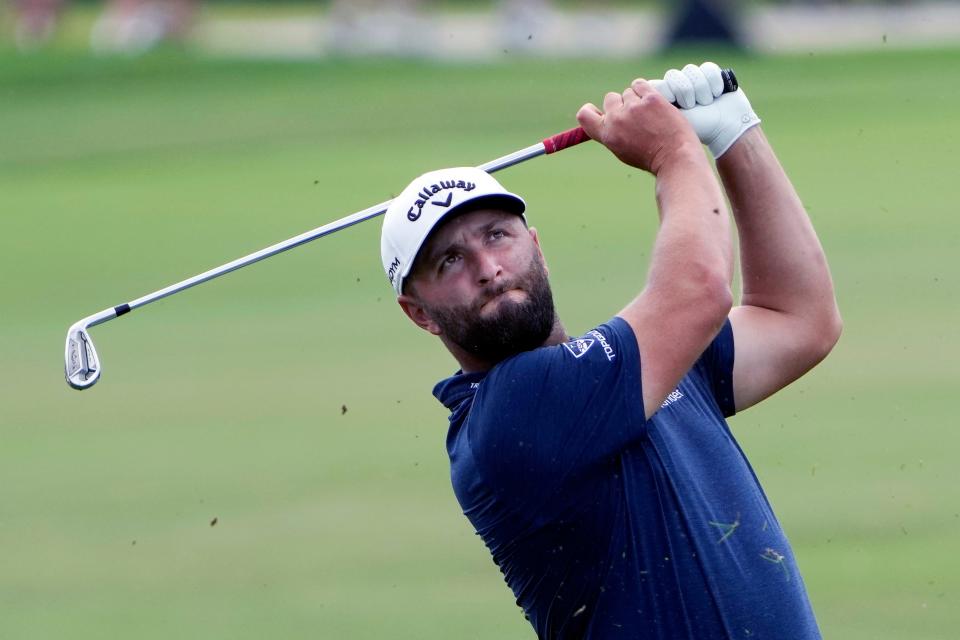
[490, 293]
[524, 282]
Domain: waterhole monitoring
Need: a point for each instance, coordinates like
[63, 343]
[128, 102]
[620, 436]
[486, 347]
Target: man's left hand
[718, 118]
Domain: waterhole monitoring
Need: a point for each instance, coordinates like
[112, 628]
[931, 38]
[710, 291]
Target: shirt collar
[457, 388]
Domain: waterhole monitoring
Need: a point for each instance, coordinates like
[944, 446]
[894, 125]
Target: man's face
[481, 282]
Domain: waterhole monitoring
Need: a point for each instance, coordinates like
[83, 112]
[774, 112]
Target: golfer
[599, 469]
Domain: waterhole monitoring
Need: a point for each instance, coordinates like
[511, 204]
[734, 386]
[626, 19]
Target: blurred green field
[290, 402]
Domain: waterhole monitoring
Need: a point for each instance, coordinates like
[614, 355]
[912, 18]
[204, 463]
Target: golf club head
[81, 364]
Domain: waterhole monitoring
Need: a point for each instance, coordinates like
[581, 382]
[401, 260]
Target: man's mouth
[515, 295]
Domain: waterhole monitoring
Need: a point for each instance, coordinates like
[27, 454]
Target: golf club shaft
[82, 366]
[550, 145]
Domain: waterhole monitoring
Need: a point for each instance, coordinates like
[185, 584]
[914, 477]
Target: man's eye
[448, 260]
[496, 234]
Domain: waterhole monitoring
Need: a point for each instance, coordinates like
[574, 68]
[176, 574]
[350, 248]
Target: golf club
[82, 366]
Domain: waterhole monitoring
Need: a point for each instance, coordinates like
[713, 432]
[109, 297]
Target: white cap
[424, 203]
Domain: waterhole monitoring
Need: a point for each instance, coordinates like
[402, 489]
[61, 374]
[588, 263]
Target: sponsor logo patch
[443, 203]
[426, 193]
[392, 271]
[673, 396]
[602, 339]
[579, 346]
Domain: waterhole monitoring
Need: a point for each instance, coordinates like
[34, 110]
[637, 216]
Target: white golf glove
[718, 118]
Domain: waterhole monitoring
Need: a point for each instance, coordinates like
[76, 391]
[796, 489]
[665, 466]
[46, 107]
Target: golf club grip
[565, 139]
[575, 136]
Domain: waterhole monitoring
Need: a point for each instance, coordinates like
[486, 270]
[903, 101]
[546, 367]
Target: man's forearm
[783, 265]
[695, 226]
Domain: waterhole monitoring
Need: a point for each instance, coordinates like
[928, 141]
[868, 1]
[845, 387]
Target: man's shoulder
[554, 383]
[605, 343]
[557, 381]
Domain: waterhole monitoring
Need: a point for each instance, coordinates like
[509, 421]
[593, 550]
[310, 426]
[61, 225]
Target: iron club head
[81, 364]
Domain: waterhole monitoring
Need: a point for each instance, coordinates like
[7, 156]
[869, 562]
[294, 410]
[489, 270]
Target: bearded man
[599, 470]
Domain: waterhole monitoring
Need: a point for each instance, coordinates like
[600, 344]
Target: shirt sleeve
[544, 417]
[716, 365]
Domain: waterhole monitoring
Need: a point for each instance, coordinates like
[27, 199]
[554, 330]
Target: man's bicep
[670, 336]
[771, 353]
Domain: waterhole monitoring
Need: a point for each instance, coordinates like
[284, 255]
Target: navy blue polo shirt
[607, 525]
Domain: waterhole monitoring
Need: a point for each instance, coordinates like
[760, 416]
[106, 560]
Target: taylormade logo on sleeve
[607, 349]
[579, 346]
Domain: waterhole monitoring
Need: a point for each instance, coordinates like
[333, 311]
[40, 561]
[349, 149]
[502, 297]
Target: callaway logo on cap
[424, 203]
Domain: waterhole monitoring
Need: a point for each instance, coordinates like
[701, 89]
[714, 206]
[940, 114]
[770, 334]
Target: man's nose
[488, 268]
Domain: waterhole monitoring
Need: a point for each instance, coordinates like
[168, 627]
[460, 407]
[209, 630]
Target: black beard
[514, 328]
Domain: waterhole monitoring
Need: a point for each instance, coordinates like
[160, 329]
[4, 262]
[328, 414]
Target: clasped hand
[643, 130]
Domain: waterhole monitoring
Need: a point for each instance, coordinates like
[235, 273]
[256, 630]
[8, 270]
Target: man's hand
[639, 127]
[719, 119]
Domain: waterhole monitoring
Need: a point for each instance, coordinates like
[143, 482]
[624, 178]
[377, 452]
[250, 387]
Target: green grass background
[118, 177]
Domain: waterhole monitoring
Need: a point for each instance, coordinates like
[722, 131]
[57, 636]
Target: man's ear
[418, 314]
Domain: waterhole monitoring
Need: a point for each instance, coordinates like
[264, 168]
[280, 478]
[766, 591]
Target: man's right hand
[640, 127]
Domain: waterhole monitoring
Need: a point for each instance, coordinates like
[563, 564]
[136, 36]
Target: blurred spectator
[134, 26]
[374, 26]
[130, 26]
[35, 22]
[392, 26]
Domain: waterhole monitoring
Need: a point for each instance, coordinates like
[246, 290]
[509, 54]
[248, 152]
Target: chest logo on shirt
[674, 396]
[579, 346]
